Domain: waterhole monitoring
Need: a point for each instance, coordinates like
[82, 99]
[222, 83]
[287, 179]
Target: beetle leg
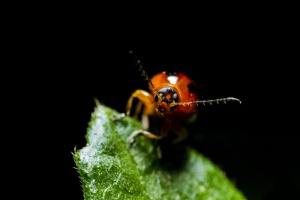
[145, 121]
[145, 97]
[144, 133]
[138, 109]
[164, 131]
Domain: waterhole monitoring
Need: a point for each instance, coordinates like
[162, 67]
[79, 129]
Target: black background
[242, 54]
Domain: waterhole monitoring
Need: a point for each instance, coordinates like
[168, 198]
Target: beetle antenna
[141, 68]
[204, 102]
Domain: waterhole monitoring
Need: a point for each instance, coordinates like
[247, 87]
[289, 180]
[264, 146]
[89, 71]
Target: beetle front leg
[147, 100]
[145, 97]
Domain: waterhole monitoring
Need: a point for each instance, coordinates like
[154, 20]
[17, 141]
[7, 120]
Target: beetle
[171, 100]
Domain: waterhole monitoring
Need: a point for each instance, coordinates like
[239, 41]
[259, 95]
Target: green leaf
[111, 169]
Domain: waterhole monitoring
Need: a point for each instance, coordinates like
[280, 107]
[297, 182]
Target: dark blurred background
[226, 55]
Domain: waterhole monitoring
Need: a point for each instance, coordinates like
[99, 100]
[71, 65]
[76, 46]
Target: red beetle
[171, 100]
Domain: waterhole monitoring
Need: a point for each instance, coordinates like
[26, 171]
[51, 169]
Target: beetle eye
[175, 96]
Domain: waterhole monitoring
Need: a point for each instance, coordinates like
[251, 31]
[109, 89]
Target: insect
[171, 100]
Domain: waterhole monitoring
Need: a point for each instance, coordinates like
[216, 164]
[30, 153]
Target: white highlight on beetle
[173, 79]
